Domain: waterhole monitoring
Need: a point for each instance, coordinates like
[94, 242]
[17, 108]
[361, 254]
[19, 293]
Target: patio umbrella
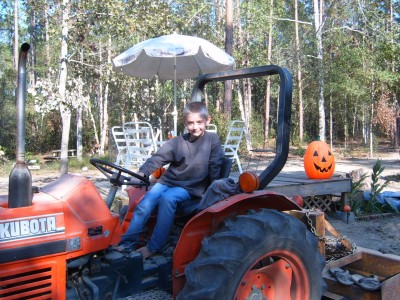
[172, 57]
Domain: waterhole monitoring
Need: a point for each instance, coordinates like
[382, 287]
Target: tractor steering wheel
[114, 173]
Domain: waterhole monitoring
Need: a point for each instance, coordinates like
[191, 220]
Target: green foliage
[76, 164]
[359, 55]
[355, 201]
[373, 206]
[257, 132]
[376, 187]
[3, 158]
[299, 151]
[222, 123]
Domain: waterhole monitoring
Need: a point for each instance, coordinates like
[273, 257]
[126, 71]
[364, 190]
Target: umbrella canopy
[173, 57]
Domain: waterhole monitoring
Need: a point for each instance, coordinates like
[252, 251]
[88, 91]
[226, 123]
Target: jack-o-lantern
[319, 162]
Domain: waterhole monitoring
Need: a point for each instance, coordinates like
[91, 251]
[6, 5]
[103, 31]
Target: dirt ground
[380, 233]
[377, 232]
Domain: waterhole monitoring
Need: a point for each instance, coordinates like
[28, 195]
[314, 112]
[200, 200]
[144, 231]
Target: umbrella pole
[175, 112]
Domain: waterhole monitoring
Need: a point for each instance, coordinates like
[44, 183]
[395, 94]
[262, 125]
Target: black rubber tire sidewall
[229, 253]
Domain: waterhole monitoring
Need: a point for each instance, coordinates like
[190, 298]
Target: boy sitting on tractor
[194, 160]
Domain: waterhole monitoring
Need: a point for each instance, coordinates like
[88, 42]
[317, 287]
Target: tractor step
[150, 295]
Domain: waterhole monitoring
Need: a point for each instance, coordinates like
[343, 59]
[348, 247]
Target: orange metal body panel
[210, 220]
[135, 195]
[42, 278]
[47, 208]
[68, 209]
[78, 206]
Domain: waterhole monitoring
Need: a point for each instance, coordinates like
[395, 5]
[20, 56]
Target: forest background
[343, 56]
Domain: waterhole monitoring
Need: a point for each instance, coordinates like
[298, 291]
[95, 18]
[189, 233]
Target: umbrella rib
[198, 65]
[158, 67]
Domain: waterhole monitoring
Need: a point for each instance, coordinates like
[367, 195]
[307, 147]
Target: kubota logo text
[30, 227]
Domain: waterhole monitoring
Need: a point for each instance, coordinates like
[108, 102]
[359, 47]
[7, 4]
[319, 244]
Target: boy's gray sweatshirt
[192, 165]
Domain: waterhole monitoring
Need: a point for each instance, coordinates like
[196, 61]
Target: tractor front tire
[260, 255]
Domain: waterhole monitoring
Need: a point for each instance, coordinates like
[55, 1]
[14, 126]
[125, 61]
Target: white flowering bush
[47, 98]
[2, 155]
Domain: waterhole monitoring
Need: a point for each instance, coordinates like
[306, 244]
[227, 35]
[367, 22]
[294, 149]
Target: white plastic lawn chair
[120, 142]
[140, 143]
[232, 142]
[211, 128]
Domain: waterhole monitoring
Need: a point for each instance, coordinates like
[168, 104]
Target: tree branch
[291, 20]
[82, 63]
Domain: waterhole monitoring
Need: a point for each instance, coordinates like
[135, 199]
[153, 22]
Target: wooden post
[336, 234]
[317, 219]
[344, 199]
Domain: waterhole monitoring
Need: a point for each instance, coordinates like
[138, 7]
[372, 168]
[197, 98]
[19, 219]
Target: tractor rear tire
[260, 255]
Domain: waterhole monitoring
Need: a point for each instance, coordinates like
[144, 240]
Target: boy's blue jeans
[167, 199]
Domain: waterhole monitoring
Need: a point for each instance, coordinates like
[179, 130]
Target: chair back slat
[120, 142]
[140, 143]
[233, 140]
[211, 128]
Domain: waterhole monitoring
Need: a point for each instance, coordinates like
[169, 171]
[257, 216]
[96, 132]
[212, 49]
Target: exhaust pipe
[20, 181]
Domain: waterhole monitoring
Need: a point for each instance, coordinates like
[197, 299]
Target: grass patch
[74, 165]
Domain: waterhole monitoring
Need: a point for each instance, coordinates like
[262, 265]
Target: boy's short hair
[196, 108]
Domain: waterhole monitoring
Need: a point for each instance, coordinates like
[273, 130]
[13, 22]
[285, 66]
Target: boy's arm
[216, 158]
[162, 157]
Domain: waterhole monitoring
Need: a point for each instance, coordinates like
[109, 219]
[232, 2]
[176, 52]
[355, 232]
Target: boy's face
[196, 125]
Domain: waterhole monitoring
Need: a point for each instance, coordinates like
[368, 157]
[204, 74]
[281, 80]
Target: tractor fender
[210, 220]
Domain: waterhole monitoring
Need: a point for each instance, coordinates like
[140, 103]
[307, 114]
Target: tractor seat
[190, 207]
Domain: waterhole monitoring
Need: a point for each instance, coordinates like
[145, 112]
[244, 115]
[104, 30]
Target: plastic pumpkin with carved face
[319, 162]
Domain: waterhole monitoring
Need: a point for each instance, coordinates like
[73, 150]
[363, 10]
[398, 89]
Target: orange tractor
[56, 241]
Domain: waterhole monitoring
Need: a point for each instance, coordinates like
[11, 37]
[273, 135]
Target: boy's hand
[135, 180]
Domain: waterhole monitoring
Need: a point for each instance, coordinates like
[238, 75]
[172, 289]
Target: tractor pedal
[150, 295]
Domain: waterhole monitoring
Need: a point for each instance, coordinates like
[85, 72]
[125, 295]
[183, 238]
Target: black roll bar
[284, 113]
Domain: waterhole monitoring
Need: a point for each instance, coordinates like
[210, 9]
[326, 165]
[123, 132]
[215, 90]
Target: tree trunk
[32, 25]
[331, 121]
[247, 87]
[371, 135]
[79, 111]
[220, 14]
[100, 97]
[240, 99]
[346, 134]
[364, 126]
[47, 37]
[354, 122]
[240, 44]
[104, 130]
[246, 83]
[16, 35]
[299, 72]
[268, 91]
[249, 144]
[100, 107]
[65, 111]
[321, 102]
[371, 120]
[96, 136]
[395, 98]
[79, 126]
[228, 49]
